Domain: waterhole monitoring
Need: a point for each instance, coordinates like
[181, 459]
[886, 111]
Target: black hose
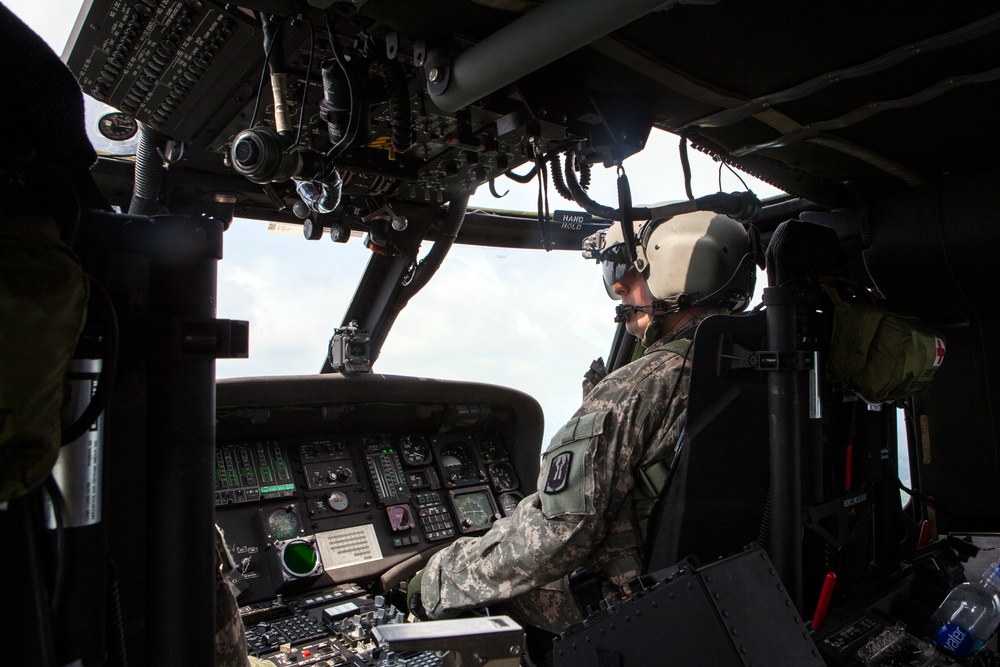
[149, 173]
[519, 178]
[493, 190]
[742, 206]
[429, 265]
[557, 178]
[584, 168]
[273, 42]
[589, 205]
[102, 396]
[686, 167]
[392, 74]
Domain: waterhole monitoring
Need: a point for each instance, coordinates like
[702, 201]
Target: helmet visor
[614, 266]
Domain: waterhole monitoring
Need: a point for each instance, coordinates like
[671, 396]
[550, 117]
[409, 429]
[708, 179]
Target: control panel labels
[348, 546]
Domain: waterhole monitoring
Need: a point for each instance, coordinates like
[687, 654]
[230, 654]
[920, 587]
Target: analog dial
[414, 451]
[117, 126]
[509, 501]
[503, 476]
[475, 510]
[459, 464]
[491, 448]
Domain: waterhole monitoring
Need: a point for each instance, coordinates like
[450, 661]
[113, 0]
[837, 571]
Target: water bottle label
[955, 639]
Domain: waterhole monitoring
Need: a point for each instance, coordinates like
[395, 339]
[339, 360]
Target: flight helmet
[699, 258]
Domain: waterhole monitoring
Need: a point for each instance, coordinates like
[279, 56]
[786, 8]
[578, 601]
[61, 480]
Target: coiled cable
[391, 72]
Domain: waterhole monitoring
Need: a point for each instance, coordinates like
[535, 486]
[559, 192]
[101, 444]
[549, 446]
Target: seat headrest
[804, 249]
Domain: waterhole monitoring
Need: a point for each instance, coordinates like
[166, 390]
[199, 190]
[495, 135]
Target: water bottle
[969, 615]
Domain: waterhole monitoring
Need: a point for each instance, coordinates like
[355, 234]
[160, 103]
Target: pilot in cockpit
[604, 470]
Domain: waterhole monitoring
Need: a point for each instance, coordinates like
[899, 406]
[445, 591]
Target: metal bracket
[437, 69]
[206, 339]
[761, 360]
[392, 45]
[841, 508]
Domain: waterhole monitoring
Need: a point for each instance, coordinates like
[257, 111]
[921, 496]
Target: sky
[524, 319]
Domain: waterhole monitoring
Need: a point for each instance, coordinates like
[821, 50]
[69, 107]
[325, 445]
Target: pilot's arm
[587, 476]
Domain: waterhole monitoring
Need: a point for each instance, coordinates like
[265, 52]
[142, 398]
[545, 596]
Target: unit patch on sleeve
[558, 473]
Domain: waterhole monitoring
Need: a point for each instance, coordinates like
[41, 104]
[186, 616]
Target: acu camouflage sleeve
[230, 640]
[587, 475]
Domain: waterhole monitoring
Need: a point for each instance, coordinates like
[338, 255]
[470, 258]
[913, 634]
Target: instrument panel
[331, 490]
[299, 512]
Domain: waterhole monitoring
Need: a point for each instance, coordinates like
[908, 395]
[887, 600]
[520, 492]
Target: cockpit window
[522, 318]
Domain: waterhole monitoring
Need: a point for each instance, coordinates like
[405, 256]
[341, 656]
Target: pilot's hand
[597, 372]
[413, 602]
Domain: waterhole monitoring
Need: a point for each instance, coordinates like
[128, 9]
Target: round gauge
[117, 126]
[299, 559]
[414, 451]
[337, 500]
[509, 501]
[400, 517]
[459, 465]
[490, 448]
[503, 476]
[283, 523]
[474, 510]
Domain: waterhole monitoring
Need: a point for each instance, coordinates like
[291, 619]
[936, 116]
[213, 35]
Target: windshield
[521, 318]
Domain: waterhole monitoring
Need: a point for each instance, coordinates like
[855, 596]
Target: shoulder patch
[558, 475]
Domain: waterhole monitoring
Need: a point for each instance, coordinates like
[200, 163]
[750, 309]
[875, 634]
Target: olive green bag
[880, 355]
[43, 300]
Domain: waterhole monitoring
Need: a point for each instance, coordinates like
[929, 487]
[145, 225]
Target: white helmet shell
[703, 256]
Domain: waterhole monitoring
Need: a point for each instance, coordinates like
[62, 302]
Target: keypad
[435, 518]
[266, 636]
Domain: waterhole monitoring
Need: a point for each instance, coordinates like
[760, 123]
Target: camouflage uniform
[591, 506]
[230, 639]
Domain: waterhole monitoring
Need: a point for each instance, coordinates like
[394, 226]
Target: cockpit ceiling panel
[834, 104]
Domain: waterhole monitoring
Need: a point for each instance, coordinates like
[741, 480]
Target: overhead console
[249, 102]
[335, 480]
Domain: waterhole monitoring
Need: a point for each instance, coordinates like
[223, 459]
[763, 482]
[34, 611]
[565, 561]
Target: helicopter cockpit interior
[372, 122]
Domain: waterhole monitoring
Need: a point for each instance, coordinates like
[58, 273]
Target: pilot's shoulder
[664, 361]
[646, 376]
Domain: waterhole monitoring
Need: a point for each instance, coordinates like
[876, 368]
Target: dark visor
[614, 265]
